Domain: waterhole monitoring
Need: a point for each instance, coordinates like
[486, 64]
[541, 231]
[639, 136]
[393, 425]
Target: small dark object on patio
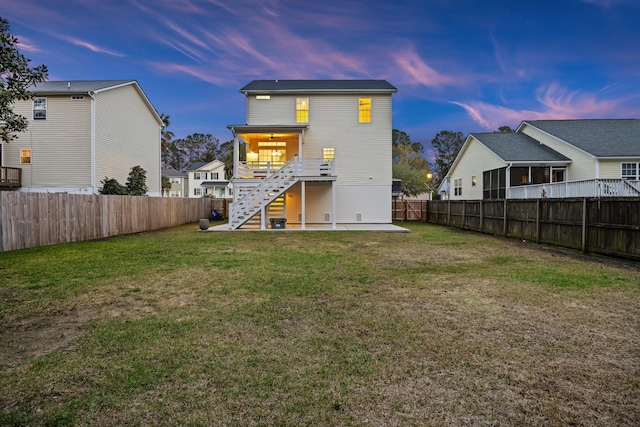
[215, 215]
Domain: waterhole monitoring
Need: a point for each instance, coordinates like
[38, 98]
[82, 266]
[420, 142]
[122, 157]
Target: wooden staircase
[259, 198]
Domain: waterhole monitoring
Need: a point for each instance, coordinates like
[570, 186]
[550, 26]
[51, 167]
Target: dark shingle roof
[318, 86]
[75, 86]
[518, 147]
[599, 137]
[173, 173]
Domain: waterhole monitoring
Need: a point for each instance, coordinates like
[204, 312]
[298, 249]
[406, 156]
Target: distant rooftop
[257, 86]
[518, 147]
[76, 86]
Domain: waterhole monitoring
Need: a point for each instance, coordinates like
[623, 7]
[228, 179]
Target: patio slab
[390, 228]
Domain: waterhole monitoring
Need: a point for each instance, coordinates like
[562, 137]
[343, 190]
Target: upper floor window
[457, 186]
[174, 180]
[328, 153]
[364, 110]
[263, 96]
[39, 108]
[214, 175]
[302, 110]
[199, 175]
[25, 156]
[631, 171]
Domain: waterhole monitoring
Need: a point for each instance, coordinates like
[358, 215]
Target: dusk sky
[469, 66]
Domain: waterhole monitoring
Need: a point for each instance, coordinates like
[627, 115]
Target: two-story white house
[80, 132]
[317, 152]
[208, 179]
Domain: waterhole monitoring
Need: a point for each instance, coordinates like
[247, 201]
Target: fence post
[504, 218]
[538, 221]
[481, 216]
[584, 225]
[464, 211]
[449, 212]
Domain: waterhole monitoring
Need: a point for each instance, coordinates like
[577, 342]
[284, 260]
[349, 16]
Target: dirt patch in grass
[40, 335]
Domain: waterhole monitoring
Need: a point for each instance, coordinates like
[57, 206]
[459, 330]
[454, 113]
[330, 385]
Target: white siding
[582, 166]
[60, 145]
[362, 150]
[127, 135]
[473, 161]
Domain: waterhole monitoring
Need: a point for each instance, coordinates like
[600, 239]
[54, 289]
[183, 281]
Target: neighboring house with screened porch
[317, 152]
[80, 132]
[549, 158]
[206, 179]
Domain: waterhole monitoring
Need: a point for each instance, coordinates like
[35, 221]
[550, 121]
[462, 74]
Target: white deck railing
[303, 168]
[584, 188]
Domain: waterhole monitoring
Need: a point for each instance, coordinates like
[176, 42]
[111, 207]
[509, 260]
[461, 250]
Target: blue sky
[468, 66]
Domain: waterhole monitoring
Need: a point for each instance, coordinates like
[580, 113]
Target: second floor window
[214, 175]
[364, 110]
[39, 108]
[174, 180]
[631, 171]
[457, 186]
[199, 175]
[302, 110]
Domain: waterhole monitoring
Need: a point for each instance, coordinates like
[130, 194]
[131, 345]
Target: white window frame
[629, 165]
[174, 180]
[199, 191]
[364, 110]
[39, 108]
[199, 175]
[214, 175]
[26, 156]
[457, 187]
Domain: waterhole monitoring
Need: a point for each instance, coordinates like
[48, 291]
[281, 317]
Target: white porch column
[333, 205]
[303, 185]
[300, 145]
[236, 154]
[263, 219]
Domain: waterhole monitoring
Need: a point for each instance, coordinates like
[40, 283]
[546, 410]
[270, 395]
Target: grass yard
[433, 327]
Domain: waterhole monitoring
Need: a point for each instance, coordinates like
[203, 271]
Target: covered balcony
[10, 177]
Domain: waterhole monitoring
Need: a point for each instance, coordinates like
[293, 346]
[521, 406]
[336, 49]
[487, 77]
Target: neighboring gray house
[80, 132]
[179, 183]
[549, 158]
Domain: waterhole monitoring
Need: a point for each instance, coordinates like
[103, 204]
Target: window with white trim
[199, 175]
[199, 191]
[174, 180]
[457, 187]
[302, 110]
[174, 194]
[364, 110]
[630, 171]
[214, 175]
[25, 157]
[39, 108]
[328, 153]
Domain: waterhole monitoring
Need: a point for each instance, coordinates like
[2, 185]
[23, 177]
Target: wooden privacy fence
[37, 219]
[606, 226]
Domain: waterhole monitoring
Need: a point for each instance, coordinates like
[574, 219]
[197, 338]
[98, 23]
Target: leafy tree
[197, 147]
[167, 135]
[15, 78]
[137, 182]
[505, 129]
[446, 146]
[409, 165]
[113, 187]
[166, 183]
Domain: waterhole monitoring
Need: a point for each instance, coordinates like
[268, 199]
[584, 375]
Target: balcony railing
[10, 177]
[584, 188]
[303, 168]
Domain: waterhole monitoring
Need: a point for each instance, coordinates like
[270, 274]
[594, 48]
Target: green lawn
[433, 327]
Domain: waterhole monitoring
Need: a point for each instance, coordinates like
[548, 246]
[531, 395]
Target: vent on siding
[359, 217]
[77, 97]
[327, 217]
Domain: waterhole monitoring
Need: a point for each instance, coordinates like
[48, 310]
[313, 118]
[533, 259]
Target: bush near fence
[607, 226]
[29, 220]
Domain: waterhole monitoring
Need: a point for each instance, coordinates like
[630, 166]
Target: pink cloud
[24, 44]
[419, 72]
[556, 103]
[90, 46]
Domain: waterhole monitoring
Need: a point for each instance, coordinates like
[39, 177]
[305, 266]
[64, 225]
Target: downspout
[93, 143]
[507, 180]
